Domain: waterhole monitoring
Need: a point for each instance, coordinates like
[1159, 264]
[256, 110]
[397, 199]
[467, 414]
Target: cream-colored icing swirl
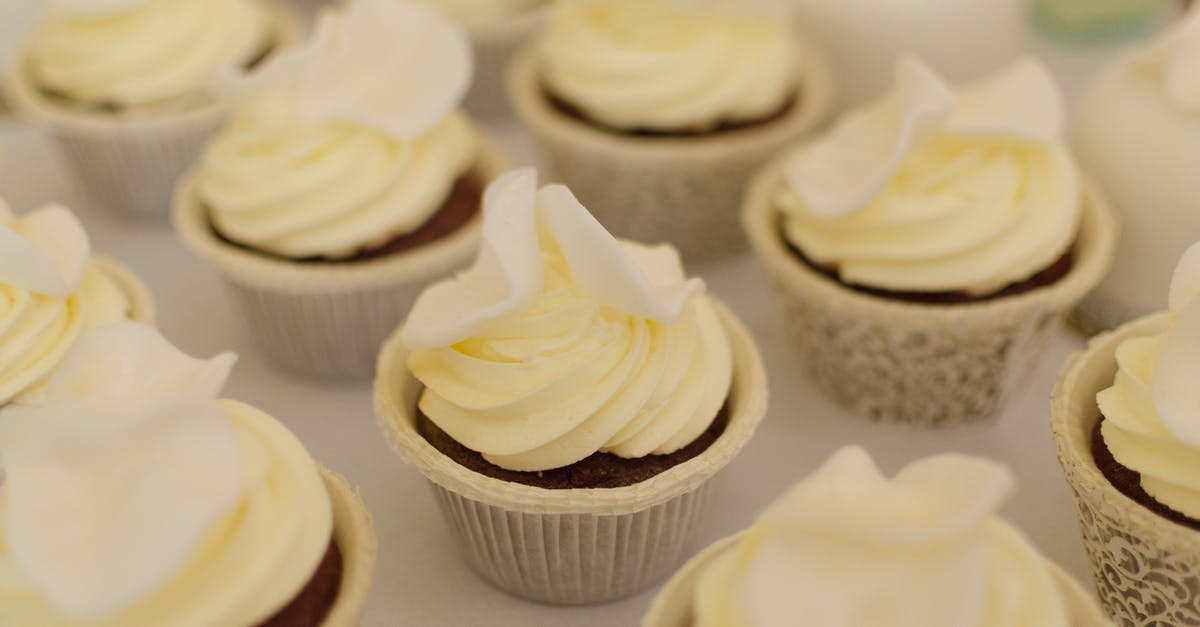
[147, 53]
[472, 12]
[1174, 59]
[1152, 411]
[929, 190]
[282, 185]
[849, 547]
[203, 513]
[561, 342]
[655, 64]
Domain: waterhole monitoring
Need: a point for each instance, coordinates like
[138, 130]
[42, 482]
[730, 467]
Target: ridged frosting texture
[935, 190]
[349, 141]
[849, 547]
[144, 52]
[134, 497]
[561, 341]
[50, 293]
[483, 11]
[1152, 410]
[663, 65]
[1174, 59]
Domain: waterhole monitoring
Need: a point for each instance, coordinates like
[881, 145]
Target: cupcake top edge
[133, 496]
[562, 341]
[938, 189]
[852, 547]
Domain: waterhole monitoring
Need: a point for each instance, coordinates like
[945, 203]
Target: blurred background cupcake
[1126, 417]
[656, 113]
[129, 89]
[849, 547]
[570, 397]
[134, 497]
[347, 179]
[1138, 132]
[928, 245]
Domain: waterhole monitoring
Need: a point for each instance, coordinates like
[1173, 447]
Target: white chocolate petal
[44, 251]
[843, 171]
[1174, 388]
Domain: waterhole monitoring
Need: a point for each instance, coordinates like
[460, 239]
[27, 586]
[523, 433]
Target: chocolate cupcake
[1125, 420]
[327, 204]
[657, 113]
[928, 245]
[569, 396]
[848, 547]
[134, 497]
[130, 90]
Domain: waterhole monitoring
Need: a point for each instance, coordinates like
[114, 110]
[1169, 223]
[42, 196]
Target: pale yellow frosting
[249, 566]
[149, 52]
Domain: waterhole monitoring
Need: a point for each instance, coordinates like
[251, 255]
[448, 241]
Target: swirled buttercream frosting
[1152, 411]
[51, 292]
[144, 52]
[936, 190]
[347, 142]
[1174, 59]
[849, 547]
[133, 497]
[668, 66]
[561, 341]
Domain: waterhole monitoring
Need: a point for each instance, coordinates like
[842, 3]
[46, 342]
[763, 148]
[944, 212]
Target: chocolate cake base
[1129, 482]
[314, 601]
[1047, 276]
[459, 207]
[575, 112]
[599, 470]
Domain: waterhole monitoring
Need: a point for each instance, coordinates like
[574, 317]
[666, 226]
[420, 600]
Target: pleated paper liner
[931, 365]
[129, 163]
[1147, 568]
[355, 538]
[673, 605]
[682, 190]
[579, 545]
[328, 319]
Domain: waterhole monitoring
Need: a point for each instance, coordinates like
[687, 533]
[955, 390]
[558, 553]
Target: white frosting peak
[122, 401]
[643, 281]
[1173, 388]
[847, 169]
[44, 251]
[392, 65]
[1176, 55]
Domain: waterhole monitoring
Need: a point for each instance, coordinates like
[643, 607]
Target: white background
[420, 579]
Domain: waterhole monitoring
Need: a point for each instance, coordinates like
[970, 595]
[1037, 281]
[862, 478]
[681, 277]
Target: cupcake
[569, 397]
[849, 547]
[928, 245]
[347, 180]
[52, 291]
[497, 28]
[1125, 416]
[1148, 169]
[133, 496]
[129, 88]
[656, 113]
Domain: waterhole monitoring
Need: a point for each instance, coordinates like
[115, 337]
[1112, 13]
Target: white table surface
[420, 579]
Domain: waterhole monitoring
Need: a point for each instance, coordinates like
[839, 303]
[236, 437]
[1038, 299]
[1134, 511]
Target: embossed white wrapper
[1146, 568]
[924, 364]
[130, 163]
[328, 319]
[682, 190]
[579, 545]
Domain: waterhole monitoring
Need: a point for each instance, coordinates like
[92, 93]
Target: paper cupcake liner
[141, 303]
[681, 190]
[1098, 313]
[673, 605]
[928, 365]
[355, 538]
[494, 44]
[580, 545]
[129, 164]
[1147, 568]
[328, 319]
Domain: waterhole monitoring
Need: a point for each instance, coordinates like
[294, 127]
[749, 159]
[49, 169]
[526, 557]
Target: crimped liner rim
[395, 398]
